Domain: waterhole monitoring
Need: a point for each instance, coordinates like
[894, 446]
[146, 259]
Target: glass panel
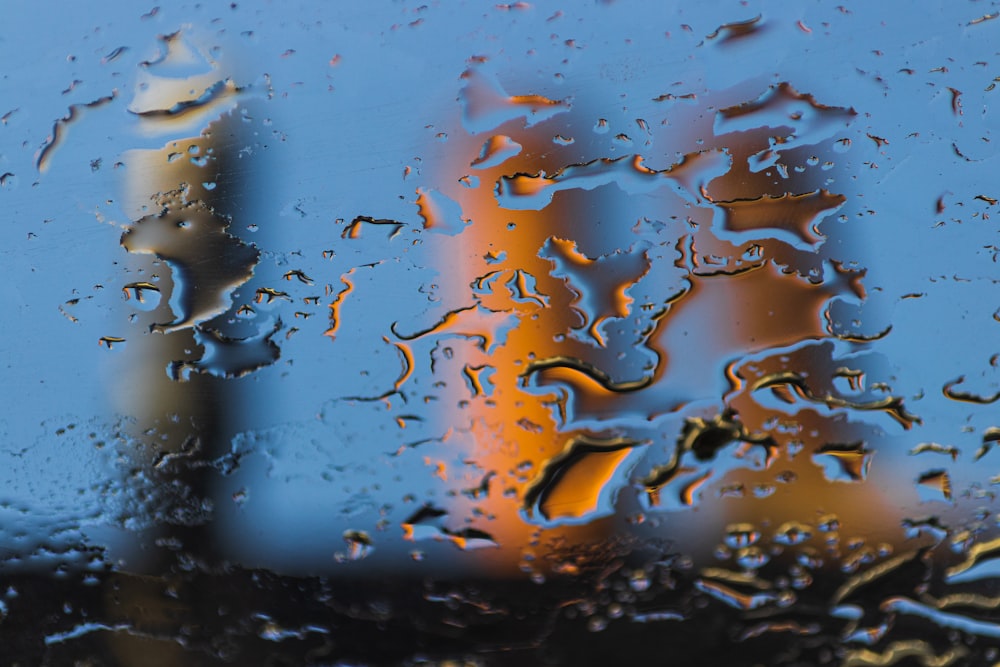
[464, 333]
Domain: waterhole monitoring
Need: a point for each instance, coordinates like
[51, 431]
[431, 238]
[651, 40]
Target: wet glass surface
[499, 334]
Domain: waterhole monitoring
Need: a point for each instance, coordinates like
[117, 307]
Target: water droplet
[440, 213]
[741, 535]
[844, 462]
[207, 263]
[689, 176]
[930, 526]
[733, 598]
[114, 55]
[690, 98]
[967, 396]
[61, 127]
[140, 293]
[792, 533]
[488, 328]
[789, 217]
[110, 341]
[639, 581]
[355, 228]
[497, 150]
[359, 544]
[486, 105]
[299, 275]
[729, 32]
[935, 448]
[935, 485]
[228, 356]
[751, 558]
[573, 485]
[828, 523]
[209, 97]
[600, 283]
[477, 379]
[429, 523]
[267, 295]
[783, 106]
[597, 623]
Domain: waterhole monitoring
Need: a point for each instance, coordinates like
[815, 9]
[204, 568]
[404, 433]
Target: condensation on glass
[500, 334]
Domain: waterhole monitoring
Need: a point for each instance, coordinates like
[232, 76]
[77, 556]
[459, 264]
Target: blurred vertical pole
[513, 433]
[188, 293]
[776, 208]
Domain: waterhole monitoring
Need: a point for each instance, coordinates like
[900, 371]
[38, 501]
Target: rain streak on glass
[500, 334]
